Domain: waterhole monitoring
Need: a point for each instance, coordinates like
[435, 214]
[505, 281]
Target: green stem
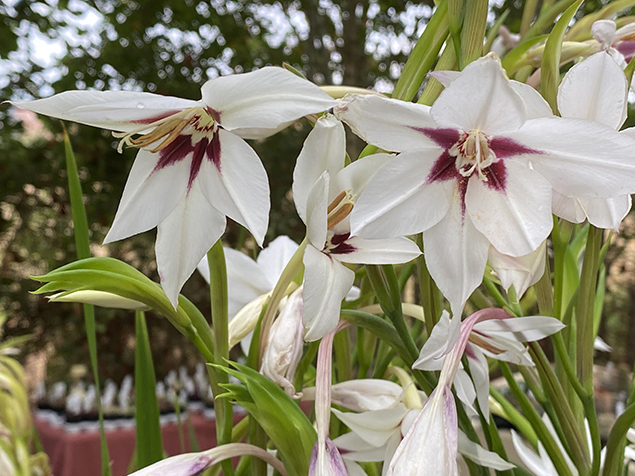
[556, 457]
[584, 311]
[220, 319]
[614, 443]
[473, 32]
[515, 417]
[82, 243]
[427, 289]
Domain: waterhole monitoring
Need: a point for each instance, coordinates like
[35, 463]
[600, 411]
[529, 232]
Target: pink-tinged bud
[362, 395]
[431, 444]
[328, 462]
[285, 345]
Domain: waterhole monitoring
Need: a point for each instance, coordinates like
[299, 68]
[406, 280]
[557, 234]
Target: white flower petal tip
[480, 455]
[328, 462]
[521, 272]
[362, 395]
[601, 345]
[100, 298]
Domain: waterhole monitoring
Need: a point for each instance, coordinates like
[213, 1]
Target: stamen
[472, 154]
[340, 208]
[476, 339]
[168, 128]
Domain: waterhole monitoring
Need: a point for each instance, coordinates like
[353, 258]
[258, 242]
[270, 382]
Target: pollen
[473, 154]
[195, 121]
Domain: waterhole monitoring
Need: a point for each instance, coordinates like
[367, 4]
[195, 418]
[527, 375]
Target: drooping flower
[194, 167]
[477, 169]
[497, 336]
[520, 272]
[325, 192]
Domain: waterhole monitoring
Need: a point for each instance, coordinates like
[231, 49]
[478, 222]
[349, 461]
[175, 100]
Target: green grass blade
[80, 223]
[149, 445]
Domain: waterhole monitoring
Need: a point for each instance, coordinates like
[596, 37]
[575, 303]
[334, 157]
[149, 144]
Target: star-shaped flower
[193, 169]
[477, 168]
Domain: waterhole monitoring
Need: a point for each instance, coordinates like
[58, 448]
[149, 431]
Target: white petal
[480, 376]
[604, 32]
[353, 468]
[481, 98]
[437, 346]
[522, 329]
[273, 259]
[246, 280]
[430, 447]
[188, 464]
[456, 254]
[535, 104]
[114, 110]
[480, 455]
[593, 161]
[260, 103]
[398, 202]
[149, 195]
[445, 77]
[326, 283]
[317, 204]
[324, 150]
[183, 238]
[388, 123]
[595, 89]
[520, 272]
[356, 176]
[355, 448]
[238, 187]
[601, 212]
[601, 345]
[516, 220]
[464, 388]
[362, 395]
[387, 251]
[531, 459]
[374, 427]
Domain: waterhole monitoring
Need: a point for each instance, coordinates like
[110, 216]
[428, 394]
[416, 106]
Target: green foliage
[282, 419]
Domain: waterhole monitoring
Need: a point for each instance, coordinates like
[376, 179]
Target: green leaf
[149, 445]
[82, 241]
[550, 75]
[513, 60]
[282, 419]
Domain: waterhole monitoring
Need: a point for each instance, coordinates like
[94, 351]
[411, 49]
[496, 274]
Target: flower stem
[291, 269]
[220, 319]
[614, 443]
[430, 297]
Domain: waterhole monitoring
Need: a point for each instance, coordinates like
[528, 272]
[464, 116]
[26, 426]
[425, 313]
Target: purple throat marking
[181, 147]
[340, 247]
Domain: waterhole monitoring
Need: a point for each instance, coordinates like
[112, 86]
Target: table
[78, 453]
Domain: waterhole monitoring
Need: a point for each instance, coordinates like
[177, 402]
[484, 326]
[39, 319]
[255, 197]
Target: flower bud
[100, 298]
[246, 319]
[284, 349]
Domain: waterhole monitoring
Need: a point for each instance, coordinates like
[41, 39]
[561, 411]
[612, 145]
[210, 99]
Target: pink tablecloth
[78, 454]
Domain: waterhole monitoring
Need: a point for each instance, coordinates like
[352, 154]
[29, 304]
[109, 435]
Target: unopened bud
[100, 298]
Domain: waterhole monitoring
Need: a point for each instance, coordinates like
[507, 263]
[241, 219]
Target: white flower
[325, 192]
[497, 335]
[477, 169]
[362, 395]
[194, 167]
[619, 44]
[520, 272]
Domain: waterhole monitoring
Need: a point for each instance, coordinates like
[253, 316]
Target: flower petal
[481, 98]
[246, 280]
[374, 427]
[398, 201]
[386, 251]
[324, 150]
[479, 371]
[535, 104]
[593, 161]
[149, 196]
[538, 466]
[326, 283]
[260, 103]
[595, 89]
[438, 345]
[356, 176]
[604, 32]
[464, 389]
[274, 258]
[114, 110]
[390, 124]
[601, 212]
[183, 238]
[520, 272]
[517, 219]
[480, 455]
[317, 203]
[236, 183]
[522, 329]
[456, 254]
